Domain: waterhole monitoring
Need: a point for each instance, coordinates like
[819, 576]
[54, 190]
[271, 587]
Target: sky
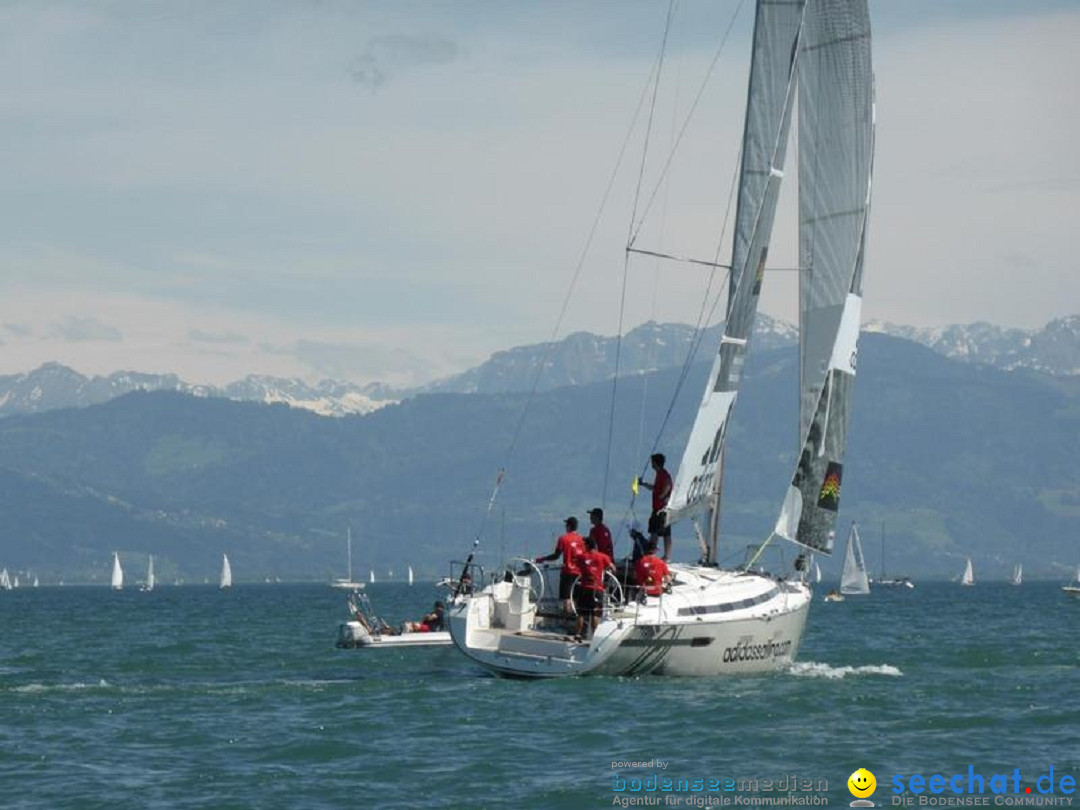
[392, 192]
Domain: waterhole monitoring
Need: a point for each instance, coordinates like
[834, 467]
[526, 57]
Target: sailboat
[1073, 588]
[226, 572]
[5, 580]
[117, 581]
[854, 580]
[371, 576]
[968, 577]
[347, 583]
[890, 582]
[1018, 574]
[149, 584]
[737, 620]
[410, 575]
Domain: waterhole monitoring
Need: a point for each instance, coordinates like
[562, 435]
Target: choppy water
[192, 697]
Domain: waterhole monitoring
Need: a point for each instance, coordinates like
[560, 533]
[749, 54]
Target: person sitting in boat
[661, 487]
[569, 546]
[600, 533]
[651, 574]
[590, 590]
[433, 622]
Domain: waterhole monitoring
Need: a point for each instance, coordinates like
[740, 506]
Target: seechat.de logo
[862, 784]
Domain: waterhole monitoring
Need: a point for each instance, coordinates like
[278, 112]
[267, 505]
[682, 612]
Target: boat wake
[812, 669]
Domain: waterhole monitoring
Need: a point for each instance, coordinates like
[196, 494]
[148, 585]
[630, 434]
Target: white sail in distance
[836, 145]
[117, 580]
[854, 580]
[226, 572]
[769, 103]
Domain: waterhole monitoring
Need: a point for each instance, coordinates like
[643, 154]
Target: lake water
[192, 697]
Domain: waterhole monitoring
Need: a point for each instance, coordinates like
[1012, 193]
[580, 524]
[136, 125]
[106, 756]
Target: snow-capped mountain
[54, 386]
[578, 359]
[1053, 349]
[583, 358]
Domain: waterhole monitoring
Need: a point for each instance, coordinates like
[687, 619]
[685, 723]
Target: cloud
[232, 338]
[393, 54]
[77, 330]
[19, 329]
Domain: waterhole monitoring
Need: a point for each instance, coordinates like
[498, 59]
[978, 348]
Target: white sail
[836, 145]
[768, 118]
[410, 575]
[150, 574]
[5, 580]
[226, 572]
[1018, 574]
[817, 572]
[854, 579]
[968, 577]
[117, 581]
[371, 576]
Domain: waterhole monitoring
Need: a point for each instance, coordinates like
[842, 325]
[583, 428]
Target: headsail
[836, 144]
[768, 118]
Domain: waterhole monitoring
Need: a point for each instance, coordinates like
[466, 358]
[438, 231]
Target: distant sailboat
[969, 575]
[371, 576]
[149, 586]
[226, 572]
[410, 575]
[854, 579]
[817, 572]
[890, 582]
[5, 580]
[347, 583]
[1073, 588]
[1018, 574]
[117, 572]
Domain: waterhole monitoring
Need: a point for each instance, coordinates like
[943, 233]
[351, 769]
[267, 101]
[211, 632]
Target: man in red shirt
[569, 546]
[651, 573]
[593, 564]
[661, 492]
[600, 533]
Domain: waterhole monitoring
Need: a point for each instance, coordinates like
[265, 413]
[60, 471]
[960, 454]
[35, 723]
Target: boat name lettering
[745, 651]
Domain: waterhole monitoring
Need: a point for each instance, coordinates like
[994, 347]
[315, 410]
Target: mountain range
[946, 459]
[578, 359]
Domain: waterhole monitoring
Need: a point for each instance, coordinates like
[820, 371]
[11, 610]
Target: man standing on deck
[661, 491]
[593, 564]
[600, 533]
[570, 546]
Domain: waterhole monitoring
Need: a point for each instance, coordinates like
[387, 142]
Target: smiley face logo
[862, 783]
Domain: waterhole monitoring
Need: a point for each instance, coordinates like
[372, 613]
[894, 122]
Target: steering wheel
[536, 591]
[613, 591]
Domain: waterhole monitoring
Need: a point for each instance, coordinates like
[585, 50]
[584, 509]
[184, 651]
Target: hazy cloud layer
[203, 196]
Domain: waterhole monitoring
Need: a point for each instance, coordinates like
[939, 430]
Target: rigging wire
[566, 300]
[626, 256]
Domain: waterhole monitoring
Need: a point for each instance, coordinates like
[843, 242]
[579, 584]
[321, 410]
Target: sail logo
[759, 276]
[829, 497]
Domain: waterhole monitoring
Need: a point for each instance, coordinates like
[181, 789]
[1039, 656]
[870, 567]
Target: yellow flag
[634, 485]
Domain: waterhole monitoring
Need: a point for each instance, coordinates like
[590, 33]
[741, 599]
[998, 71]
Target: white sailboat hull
[713, 622]
[353, 634]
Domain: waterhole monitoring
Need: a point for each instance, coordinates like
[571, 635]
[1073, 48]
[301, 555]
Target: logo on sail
[829, 497]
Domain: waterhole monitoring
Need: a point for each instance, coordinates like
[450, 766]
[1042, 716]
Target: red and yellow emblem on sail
[759, 276]
[829, 497]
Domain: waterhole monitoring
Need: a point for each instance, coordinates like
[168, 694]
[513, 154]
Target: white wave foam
[32, 688]
[812, 669]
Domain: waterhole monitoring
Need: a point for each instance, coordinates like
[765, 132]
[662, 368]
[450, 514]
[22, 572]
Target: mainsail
[836, 144]
[768, 118]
